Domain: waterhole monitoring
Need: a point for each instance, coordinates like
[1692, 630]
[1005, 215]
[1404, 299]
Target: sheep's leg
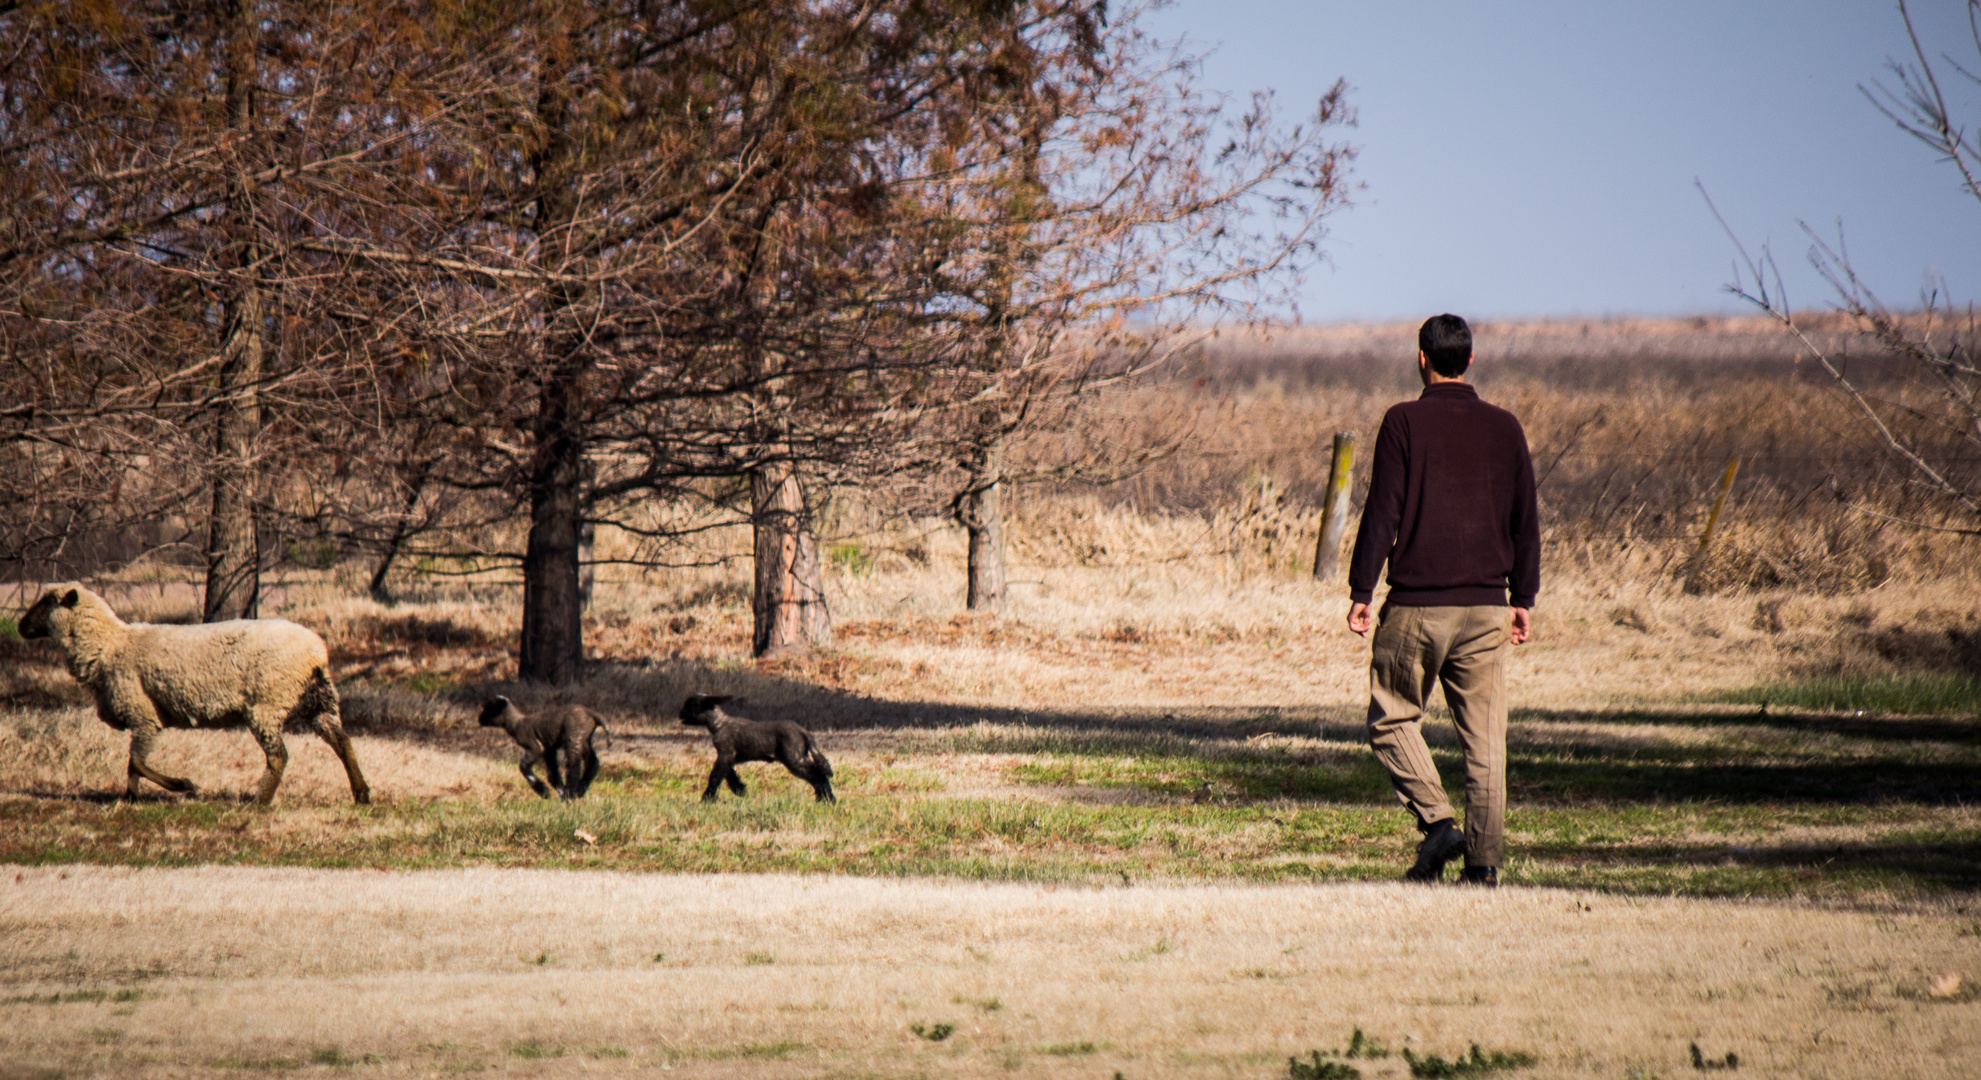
[332, 731]
[736, 783]
[143, 738]
[821, 784]
[528, 768]
[580, 769]
[571, 762]
[553, 769]
[724, 771]
[268, 732]
[319, 705]
[808, 770]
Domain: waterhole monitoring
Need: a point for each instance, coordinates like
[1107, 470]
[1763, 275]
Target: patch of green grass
[1476, 1063]
[336, 1057]
[772, 1051]
[258, 1064]
[1694, 800]
[1071, 1049]
[1705, 1064]
[429, 682]
[611, 1052]
[1901, 695]
[9, 627]
[759, 959]
[933, 1032]
[852, 557]
[533, 1050]
[1317, 1069]
[77, 997]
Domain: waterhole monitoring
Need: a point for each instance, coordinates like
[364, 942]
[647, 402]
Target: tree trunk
[553, 645]
[789, 603]
[233, 555]
[380, 590]
[980, 510]
[587, 538]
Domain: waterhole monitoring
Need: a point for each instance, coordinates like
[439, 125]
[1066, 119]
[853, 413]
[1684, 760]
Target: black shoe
[1483, 876]
[1442, 843]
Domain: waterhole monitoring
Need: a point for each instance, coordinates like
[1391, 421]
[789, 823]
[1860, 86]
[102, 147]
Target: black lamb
[560, 737]
[740, 739]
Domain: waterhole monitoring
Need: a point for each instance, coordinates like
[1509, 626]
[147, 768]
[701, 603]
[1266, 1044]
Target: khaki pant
[1465, 648]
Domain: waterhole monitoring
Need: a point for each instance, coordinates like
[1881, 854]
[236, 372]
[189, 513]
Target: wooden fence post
[1334, 508]
[1695, 580]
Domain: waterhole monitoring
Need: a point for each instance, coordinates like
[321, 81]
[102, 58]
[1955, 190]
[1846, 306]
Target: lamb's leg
[715, 777]
[528, 768]
[571, 776]
[821, 784]
[268, 731]
[553, 769]
[332, 731]
[143, 738]
[735, 782]
[589, 764]
[809, 771]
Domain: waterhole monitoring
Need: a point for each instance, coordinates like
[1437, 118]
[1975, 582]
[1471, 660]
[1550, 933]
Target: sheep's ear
[499, 700]
[72, 598]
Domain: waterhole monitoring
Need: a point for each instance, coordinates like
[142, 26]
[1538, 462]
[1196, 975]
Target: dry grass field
[1130, 826]
[231, 972]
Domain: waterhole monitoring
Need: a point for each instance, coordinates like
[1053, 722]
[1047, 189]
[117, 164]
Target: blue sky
[1527, 159]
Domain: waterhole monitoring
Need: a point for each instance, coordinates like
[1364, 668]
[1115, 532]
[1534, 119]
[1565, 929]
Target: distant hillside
[1574, 350]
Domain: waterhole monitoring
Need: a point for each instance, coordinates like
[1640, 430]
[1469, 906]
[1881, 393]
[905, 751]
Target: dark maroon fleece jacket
[1451, 506]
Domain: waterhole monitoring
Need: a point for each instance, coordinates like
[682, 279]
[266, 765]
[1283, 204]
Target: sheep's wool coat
[211, 675]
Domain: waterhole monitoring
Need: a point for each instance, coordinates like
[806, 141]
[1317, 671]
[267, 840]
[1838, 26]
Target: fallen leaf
[588, 838]
[1944, 986]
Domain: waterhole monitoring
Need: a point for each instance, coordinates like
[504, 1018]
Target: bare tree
[668, 245]
[1923, 400]
[1127, 212]
[175, 338]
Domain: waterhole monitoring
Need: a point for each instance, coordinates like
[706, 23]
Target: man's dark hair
[1447, 342]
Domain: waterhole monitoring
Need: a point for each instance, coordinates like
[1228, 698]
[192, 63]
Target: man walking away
[1451, 510]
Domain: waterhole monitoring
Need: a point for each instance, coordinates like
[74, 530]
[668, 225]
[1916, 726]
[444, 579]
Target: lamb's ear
[72, 598]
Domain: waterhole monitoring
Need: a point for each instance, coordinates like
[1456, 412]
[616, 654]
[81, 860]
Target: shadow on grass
[1175, 751]
[1953, 864]
[1871, 725]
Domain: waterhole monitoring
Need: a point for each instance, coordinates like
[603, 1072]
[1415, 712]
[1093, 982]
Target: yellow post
[1694, 580]
[1334, 508]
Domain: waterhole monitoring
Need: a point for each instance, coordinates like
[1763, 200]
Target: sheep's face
[497, 712]
[50, 613]
[699, 710]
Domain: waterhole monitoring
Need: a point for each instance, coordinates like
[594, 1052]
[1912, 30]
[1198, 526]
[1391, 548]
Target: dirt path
[115, 972]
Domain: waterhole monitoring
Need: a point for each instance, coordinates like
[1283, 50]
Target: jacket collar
[1448, 389]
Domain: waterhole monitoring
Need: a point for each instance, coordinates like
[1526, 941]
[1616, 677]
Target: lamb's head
[52, 615]
[498, 712]
[700, 710]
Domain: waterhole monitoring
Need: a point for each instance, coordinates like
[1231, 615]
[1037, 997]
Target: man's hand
[1523, 625]
[1360, 621]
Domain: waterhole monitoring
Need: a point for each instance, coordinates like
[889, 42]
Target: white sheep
[264, 674]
